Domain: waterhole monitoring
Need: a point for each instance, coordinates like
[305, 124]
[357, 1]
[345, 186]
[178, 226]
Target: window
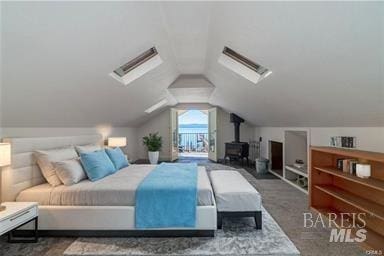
[243, 65]
[137, 67]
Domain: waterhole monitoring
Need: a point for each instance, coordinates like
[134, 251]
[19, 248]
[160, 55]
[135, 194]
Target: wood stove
[236, 149]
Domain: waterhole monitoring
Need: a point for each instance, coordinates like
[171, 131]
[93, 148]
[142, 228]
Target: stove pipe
[236, 120]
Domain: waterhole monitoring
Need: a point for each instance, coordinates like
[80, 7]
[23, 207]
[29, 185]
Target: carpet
[265, 176]
[238, 237]
[210, 166]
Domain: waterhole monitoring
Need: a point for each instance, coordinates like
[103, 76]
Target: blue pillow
[118, 158]
[97, 164]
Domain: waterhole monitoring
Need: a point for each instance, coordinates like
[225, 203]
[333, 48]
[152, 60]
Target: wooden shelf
[293, 183]
[352, 153]
[357, 202]
[302, 172]
[370, 182]
[325, 212]
[334, 191]
[373, 238]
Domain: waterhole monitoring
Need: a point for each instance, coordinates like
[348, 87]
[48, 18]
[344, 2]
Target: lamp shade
[117, 142]
[5, 154]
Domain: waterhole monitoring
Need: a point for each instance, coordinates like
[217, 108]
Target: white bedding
[114, 190]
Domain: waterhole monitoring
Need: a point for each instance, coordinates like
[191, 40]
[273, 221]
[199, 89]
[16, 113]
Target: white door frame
[174, 133]
[212, 134]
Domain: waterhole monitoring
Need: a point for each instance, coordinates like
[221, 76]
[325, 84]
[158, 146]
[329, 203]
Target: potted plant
[153, 142]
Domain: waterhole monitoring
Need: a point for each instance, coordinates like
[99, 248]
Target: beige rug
[238, 237]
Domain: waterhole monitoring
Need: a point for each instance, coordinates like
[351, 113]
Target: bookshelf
[334, 191]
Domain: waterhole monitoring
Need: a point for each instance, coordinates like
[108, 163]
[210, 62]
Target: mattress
[117, 189]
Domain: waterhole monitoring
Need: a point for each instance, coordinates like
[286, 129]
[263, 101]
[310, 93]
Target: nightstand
[16, 215]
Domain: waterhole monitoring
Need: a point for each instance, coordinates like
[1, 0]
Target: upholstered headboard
[24, 172]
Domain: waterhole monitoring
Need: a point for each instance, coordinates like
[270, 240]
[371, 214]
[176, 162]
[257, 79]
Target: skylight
[243, 66]
[137, 67]
[158, 105]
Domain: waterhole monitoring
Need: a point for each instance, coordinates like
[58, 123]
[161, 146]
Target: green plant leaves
[153, 142]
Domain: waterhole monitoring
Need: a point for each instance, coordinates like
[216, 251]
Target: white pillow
[70, 171]
[46, 158]
[87, 148]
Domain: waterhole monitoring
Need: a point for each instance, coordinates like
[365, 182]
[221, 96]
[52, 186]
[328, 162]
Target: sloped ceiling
[327, 60]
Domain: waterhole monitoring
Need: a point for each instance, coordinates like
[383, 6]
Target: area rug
[238, 237]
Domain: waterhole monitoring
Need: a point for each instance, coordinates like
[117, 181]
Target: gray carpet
[285, 203]
[238, 237]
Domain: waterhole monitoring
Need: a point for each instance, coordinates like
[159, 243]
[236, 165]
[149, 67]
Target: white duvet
[114, 190]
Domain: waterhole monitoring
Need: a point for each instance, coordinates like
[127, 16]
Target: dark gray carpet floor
[285, 203]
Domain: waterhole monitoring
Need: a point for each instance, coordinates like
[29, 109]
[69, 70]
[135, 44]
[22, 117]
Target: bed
[105, 207]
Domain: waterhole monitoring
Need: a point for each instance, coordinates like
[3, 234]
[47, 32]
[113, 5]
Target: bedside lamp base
[2, 208]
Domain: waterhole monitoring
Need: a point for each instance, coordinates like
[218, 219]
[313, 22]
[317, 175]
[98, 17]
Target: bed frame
[83, 220]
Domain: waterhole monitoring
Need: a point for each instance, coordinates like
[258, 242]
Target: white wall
[160, 123]
[106, 131]
[226, 132]
[368, 138]
[295, 146]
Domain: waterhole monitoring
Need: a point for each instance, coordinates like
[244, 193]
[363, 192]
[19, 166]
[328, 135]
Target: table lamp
[5, 160]
[115, 142]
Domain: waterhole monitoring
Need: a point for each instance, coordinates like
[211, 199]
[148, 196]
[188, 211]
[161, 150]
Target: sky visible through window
[193, 131]
[193, 117]
[193, 121]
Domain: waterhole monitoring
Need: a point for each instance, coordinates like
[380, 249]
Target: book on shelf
[343, 141]
[352, 166]
[340, 164]
[347, 165]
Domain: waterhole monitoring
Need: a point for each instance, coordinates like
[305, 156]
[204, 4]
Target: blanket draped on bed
[167, 197]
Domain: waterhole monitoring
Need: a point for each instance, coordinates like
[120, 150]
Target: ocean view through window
[193, 134]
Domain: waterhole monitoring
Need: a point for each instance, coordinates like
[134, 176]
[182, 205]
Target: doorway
[193, 134]
[276, 157]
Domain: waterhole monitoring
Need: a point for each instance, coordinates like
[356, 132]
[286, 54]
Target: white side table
[16, 215]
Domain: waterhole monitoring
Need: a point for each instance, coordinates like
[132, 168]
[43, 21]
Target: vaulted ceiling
[327, 60]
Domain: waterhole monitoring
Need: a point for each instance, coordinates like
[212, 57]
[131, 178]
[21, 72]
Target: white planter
[153, 157]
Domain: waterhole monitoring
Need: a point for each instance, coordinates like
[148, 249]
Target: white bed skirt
[109, 218]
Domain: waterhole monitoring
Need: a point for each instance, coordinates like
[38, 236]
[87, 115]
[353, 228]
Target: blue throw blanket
[167, 197]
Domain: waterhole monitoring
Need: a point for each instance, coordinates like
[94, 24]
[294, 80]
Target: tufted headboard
[24, 172]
